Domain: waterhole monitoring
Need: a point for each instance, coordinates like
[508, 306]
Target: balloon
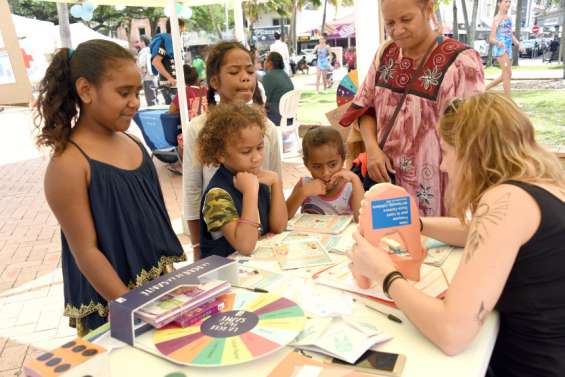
[76, 11]
[179, 9]
[167, 11]
[87, 16]
[120, 7]
[186, 12]
[88, 6]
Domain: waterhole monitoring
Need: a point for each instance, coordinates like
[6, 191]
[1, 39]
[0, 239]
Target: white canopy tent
[81, 33]
[367, 26]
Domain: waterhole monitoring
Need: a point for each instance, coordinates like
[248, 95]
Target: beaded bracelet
[249, 222]
[392, 276]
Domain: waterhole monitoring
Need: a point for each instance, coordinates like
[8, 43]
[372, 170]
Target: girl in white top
[230, 72]
[332, 190]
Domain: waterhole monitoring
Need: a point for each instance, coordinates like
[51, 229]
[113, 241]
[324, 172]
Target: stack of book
[185, 305]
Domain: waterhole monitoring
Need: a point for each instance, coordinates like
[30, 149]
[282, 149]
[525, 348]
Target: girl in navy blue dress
[242, 201]
[100, 183]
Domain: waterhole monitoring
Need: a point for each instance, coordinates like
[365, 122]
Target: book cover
[331, 224]
[301, 253]
[433, 281]
[195, 315]
[168, 306]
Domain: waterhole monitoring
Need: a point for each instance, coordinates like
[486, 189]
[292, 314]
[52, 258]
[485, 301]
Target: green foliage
[41, 10]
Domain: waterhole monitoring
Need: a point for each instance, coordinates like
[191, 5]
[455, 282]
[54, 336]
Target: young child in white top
[332, 190]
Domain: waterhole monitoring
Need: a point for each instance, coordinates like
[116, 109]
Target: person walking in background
[351, 59]
[282, 48]
[200, 66]
[554, 49]
[412, 78]
[501, 37]
[276, 84]
[163, 61]
[322, 52]
[144, 64]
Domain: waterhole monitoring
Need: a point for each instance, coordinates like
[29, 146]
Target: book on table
[306, 252]
[433, 282]
[170, 306]
[331, 224]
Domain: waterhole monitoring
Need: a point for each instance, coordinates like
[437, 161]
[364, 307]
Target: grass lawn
[546, 109]
[544, 67]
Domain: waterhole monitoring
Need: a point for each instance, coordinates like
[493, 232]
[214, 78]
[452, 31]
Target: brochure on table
[123, 326]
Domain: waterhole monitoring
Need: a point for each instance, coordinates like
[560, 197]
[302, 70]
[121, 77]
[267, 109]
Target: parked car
[482, 47]
[530, 48]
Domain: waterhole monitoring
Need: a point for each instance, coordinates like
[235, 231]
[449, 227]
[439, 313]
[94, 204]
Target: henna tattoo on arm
[484, 215]
[482, 312]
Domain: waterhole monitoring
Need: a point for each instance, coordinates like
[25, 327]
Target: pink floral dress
[452, 70]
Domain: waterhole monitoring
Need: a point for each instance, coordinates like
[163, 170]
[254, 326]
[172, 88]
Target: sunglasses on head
[453, 106]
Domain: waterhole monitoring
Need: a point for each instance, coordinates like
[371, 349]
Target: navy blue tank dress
[134, 232]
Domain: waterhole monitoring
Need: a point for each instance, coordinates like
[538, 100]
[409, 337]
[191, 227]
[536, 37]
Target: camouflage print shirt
[219, 209]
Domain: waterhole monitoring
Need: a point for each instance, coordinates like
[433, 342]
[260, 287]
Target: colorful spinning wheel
[347, 88]
[250, 326]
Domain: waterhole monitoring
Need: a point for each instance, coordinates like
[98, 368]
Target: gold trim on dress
[165, 265]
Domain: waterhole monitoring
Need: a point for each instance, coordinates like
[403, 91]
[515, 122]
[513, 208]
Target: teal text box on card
[389, 213]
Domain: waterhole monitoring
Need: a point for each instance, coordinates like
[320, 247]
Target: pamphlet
[345, 339]
[433, 281]
[301, 253]
[329, 224]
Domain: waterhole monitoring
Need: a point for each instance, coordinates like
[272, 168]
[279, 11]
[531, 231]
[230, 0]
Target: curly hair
[223, 124]
[58, 103]
[318, 136]
[494, 142]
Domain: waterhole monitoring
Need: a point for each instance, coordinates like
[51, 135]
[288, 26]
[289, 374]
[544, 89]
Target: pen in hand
[391, 317]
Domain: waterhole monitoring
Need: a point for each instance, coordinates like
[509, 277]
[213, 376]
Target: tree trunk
[455, 22]
[516, 51]
[473, 26]
[293, 42]
[465, 19]
[489, 56]
[324, 17]
[153, 23]
[64, 27]
[215, 25]
[562, 45]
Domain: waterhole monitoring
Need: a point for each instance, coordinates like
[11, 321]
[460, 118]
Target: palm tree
[515, 51]
[64, 28]
[473, 26]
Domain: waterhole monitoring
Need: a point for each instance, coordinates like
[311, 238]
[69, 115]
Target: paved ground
[31, 289]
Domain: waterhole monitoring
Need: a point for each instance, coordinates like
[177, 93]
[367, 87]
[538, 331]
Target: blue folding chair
[159, 129]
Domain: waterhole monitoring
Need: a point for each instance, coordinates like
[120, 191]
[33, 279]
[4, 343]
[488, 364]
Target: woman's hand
[246, 183]
[379, 165]
[370, 261]
[500, 44]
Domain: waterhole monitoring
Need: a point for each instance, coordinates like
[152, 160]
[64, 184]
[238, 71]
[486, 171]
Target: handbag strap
[392, 121]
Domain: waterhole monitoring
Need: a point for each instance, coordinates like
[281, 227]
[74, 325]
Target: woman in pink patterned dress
[451, 69]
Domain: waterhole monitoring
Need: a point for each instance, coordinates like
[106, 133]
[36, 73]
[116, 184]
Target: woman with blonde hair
[514, 242]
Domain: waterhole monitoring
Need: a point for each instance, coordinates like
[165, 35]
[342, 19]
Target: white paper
[338, 338]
